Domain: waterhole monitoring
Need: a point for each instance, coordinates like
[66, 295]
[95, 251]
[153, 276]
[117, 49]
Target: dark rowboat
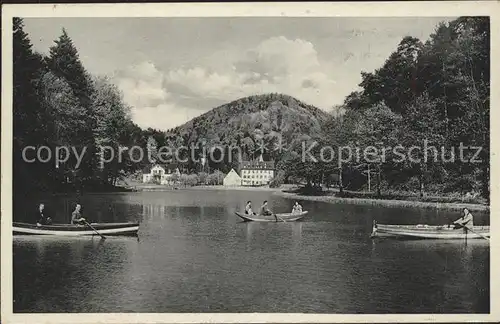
[287, 217]
[429, 232]
[76, 230]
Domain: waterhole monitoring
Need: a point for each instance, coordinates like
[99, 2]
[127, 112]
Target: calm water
[194, 255]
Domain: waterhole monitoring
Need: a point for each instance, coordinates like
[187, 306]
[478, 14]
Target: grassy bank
[332, 196]
[235, 188]
[384, 202]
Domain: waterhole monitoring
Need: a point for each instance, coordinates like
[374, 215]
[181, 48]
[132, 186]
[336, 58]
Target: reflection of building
[154, 211]
[232, 179]
[162, 174]
[257, 173]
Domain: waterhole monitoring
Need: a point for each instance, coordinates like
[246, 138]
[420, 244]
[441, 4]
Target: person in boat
[76, 216]
[42, 217]
[467, 220]
[248, 208]
[297, 208]
[264, 210]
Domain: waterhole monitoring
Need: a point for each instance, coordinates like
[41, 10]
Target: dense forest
[437, 91]
[57, 103]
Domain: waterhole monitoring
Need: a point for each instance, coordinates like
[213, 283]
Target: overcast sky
[173, 69]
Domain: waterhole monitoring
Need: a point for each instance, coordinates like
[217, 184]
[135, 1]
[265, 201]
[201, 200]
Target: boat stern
[374, 229]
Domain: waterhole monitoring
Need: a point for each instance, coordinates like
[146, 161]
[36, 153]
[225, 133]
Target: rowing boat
[75, 230]
[285, 217]
[429, 232]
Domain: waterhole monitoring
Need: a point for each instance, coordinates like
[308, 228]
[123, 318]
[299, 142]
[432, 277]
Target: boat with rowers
[127, 229]
[429, 232]
[285, 217]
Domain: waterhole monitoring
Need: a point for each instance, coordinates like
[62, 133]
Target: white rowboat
[75, 230]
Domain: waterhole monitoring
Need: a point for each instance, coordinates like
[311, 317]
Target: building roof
[257, 165]
[168, 166]
[231, 172]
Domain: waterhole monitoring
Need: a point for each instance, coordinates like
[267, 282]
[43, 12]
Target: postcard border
[351, 9]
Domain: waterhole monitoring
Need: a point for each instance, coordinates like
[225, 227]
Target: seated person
[264, 210]
[248, 208]
[42, 217]
[76, 216]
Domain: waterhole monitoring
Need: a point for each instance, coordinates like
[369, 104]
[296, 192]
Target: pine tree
[65, 63]
[27, 70]
[30, 122]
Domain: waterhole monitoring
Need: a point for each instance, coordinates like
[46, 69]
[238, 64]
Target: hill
[256, 124]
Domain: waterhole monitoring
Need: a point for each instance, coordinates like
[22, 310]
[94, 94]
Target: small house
[161, 174]
[232, 179]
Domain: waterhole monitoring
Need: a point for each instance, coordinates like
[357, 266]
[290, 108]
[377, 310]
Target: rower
[42, 217]
[264, 210]
[248, 208]
[467, 220]
[297, 208]
[76, 216]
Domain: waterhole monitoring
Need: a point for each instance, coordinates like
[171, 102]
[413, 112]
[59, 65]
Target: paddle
[276, 215]
[469, 229]
[102, 236]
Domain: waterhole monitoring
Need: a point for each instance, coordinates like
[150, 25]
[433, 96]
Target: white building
[257, 173]
[232, 179]
[161, 174]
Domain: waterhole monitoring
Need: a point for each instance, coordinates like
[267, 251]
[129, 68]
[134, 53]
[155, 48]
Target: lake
[194, 255]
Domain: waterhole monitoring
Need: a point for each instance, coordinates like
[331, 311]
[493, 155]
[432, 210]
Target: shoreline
[386, 202]
[223, 188]
[288, 195]
[355, 201]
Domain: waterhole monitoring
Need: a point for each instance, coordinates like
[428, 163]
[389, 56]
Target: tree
[421, 123]
[31, 123]
[216, 178]
[64, 62]
[202, 178]
[111, 116]
[378, 131]
[152, 149]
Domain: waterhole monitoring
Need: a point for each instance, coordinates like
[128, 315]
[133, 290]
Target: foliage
[58, 103]
[436, 92]
[202, 178]
[256, 125]
[278, 180]
[215, 178]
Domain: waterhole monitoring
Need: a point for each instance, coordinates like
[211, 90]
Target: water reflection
[195, 255]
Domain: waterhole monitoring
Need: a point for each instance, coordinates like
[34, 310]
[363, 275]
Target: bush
[278, 180]
[202, 178]
[215, 178]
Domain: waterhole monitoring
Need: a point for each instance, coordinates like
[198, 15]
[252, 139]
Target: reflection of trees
[46, 269]
[429, 276]
[95, 207]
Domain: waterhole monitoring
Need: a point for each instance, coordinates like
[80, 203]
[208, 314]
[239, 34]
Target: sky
[173, 69]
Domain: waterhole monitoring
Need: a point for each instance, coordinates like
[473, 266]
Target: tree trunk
[378, 181]
[341, 185]
[421, 180]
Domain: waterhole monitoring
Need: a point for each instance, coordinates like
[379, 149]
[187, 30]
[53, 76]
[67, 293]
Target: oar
[95, 230]
[468, 228]
[478, 234]
[280, 218]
